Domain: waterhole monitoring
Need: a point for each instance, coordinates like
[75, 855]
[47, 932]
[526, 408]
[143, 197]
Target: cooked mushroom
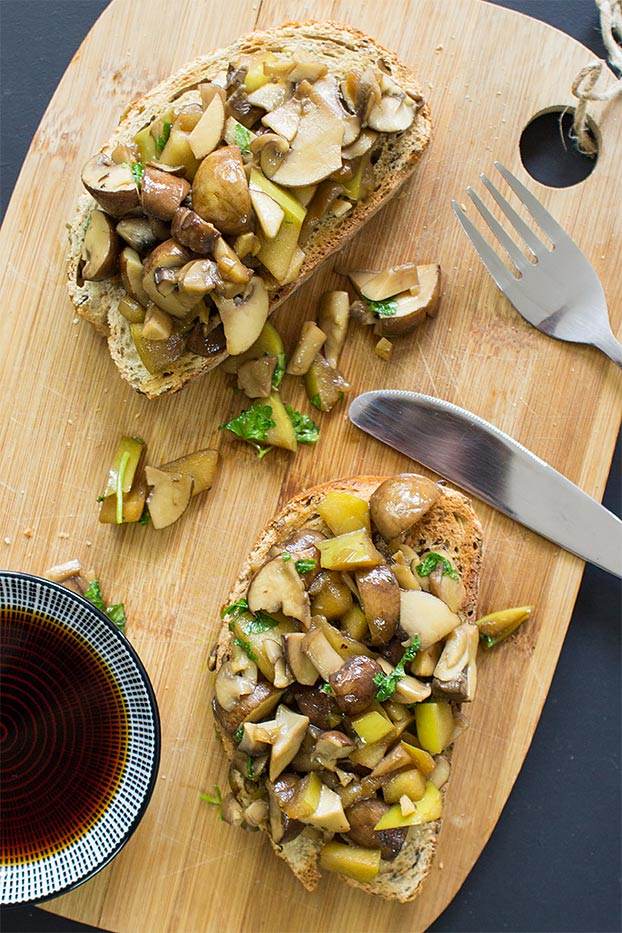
[157, 325]
[168, 255]
[162, 193]
[269, 214]
[408, 689]
[380, 599]
[137, 233]
[333, 316]
[329, 814]
[207, 339]
[411, 309]
[250, 707]
[131, 269]
[111, 184]
[394, 112]
[300, 665]
[169, 496]
[321, 653]
[255, 376]
[310, 342]
[243, 317]
[330, 747]
[192, 231]
[447, 586]
[363, 816]
[282, 828]
[285, 120]
[426, 616]
[328, 88]
[377, 286]
[277, 586]
[290, 728]
[317, 705]
[269, 148]
[195, 280]
[100, 249]
[458, 661]
[208, 132]
[353, 683]
[315, 150]
[220, 191]
[400, 501]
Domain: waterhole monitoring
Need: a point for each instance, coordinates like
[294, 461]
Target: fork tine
[536, 245]
[500, 273]
[539, 213]
[508, 244]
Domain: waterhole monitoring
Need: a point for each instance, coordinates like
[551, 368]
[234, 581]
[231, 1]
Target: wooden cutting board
[487, 72]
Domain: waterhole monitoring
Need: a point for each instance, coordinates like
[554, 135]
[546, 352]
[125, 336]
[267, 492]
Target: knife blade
[488, 463]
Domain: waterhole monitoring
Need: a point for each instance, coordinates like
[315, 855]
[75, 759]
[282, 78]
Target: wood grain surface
[183, 870]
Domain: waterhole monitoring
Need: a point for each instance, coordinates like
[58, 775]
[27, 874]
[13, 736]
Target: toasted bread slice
[450, 526]
[342, 49]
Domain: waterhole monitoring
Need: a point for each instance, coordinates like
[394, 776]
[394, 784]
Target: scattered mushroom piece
[277, 586]
[380, 599]
[411, 309]
[192, 231]
[111, 184]
[169, 496]
[309, 344]
[100, 249]
[353, 683]
[333, 317]
[137, 233]
[400, 501]
[220, 192]
[377, 286]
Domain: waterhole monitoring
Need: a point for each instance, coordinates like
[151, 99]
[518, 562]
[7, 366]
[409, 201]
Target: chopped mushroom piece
[100, 249]
[162, 193]
[112, 185]
[412, 308]
[400, 501]
[277, 586]
[309, 344]
[169, 496]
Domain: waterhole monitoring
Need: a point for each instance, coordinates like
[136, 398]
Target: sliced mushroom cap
[412, 308]
[208, 131]
[458, 659]
[169, 496]
[315, 150]
[333, 317]
[303, 670]
[255, 376]
[377, 286]
[131, 269]
[269, 148]
[192, 231]
[170, 256]
[282, 828]
[317, 705]
[328, 88]
[291, 728]
[277, 586]
[207, 340]
[285, 120]
[269, 214]
[111, 184]
[400, 501]
[220, 192]
[380, 599]
[243, 317]
[331, 746]
[426, 616]
[100, 249]
[137, 233]
[251, 707]
[162, 193]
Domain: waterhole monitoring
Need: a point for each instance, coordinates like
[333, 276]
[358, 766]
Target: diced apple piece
[352, 861]
[125, 462]
[351, 551]
[371, 726]
[411, 782]
[329, 815]
[429, 808]
[200, 465]
[344, 512]
[435, 725]
[132, 507]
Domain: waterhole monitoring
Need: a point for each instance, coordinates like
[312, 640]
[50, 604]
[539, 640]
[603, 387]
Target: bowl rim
[155, 712]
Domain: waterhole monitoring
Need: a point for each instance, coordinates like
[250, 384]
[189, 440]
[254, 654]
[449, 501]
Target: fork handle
[611, 347]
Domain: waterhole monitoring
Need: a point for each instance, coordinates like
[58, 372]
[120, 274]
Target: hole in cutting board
[550, 154]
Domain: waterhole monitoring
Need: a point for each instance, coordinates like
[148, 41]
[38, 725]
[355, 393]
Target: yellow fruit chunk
[353, 861]
[411, 782]
[351, 551]
[435, 725]
[422, 759]
[371, 726]
[429, 808]
[344, 512]
[306, 797]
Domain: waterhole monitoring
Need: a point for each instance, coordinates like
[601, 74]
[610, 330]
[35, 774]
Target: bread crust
[341, 48]
[451, 524]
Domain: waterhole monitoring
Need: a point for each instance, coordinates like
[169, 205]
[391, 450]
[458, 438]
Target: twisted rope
[583, 87]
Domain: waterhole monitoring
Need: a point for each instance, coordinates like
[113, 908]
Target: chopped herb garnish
[138, 170]
[145, 518]
[305, 565]
[238, 735]
[235, 609]
[326, 688]
[162, 139]
[252, 425]
[387, 683]
[115, 613]
[431, 561]
[250, 774]
[261, 623]
[305, 428]
[286, 556]
[246, 647]
[316, 401]
[215, 799]
[386, 308]
[279, 370]
[242, 137]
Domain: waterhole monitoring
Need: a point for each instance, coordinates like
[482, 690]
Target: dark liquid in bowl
[63, 736]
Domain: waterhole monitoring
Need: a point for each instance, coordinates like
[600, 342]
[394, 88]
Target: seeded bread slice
[342, 48]
[451, 524]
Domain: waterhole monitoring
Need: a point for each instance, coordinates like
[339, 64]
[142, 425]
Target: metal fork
[559, 292]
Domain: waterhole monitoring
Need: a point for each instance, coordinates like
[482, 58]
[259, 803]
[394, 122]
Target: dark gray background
[553, 862]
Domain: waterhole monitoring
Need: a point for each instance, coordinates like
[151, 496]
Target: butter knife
[478, 457]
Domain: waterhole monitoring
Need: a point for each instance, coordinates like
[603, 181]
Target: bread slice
[342, 49]
[452, 526]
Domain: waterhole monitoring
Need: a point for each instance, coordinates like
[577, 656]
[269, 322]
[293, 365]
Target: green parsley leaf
[279, 370]
[316, 401]
[387, 683]
[252, 425]
[138, 170]
[115, 613]
[246, 647]
[242, 137]
[238, 735]
[162, 140]
[286, 556]
[250, 774]
[326, 688]
[430, 563]
[235, 609]
[386, 308]
[305, 428]
[145, 518]
[215, 799]
[304, 566]
[261, 623]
